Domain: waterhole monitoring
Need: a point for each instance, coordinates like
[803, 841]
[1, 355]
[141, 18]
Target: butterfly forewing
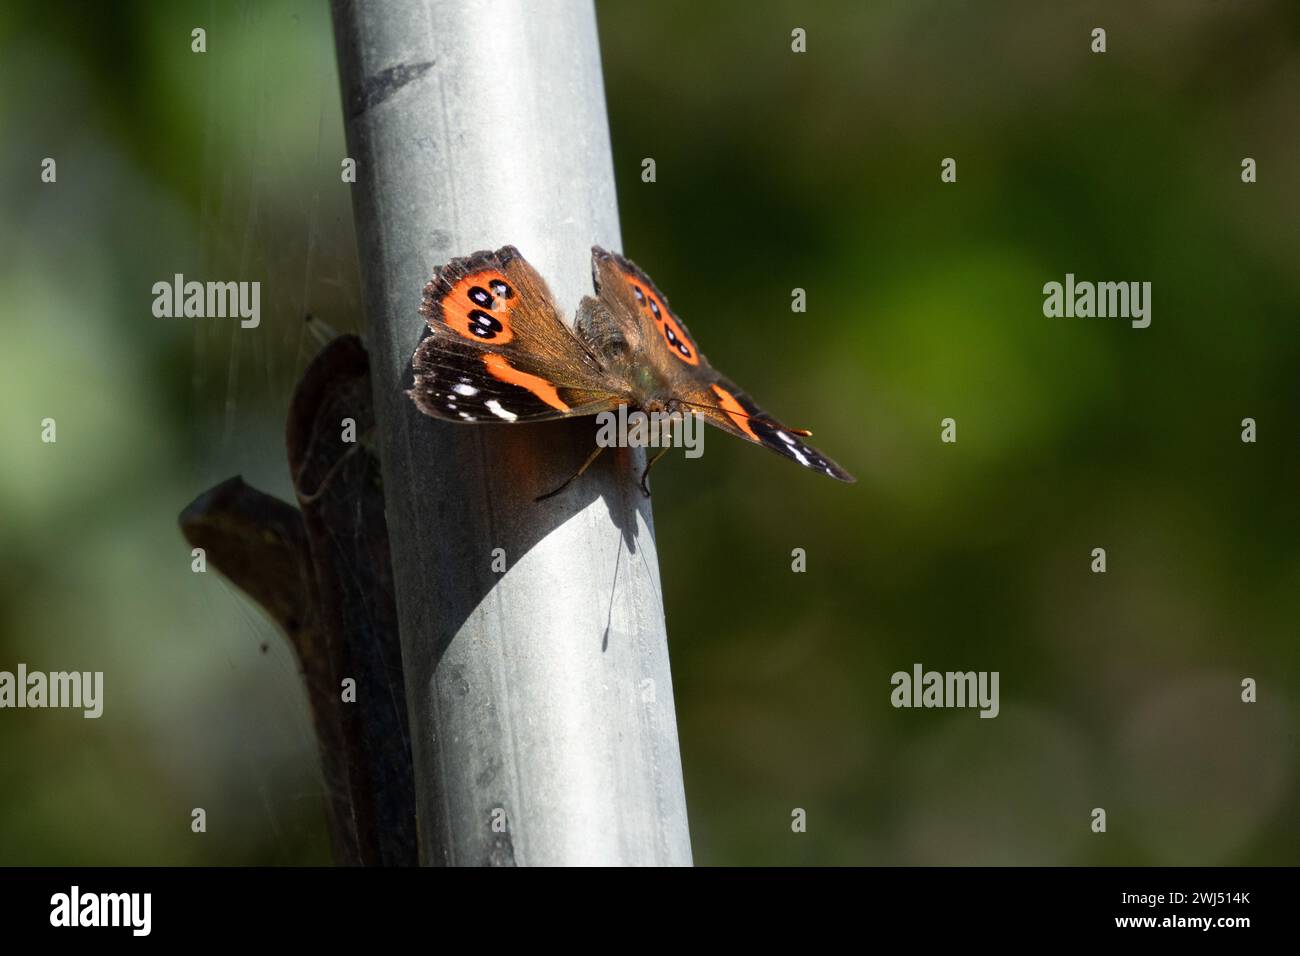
[736, 412]
[497, 350]
[628, 292]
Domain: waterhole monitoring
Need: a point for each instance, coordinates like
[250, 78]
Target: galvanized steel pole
[543, 727]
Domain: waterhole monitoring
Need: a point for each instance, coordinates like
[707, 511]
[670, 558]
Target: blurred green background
[775, 171]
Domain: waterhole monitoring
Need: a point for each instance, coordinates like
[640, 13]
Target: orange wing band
[735, 411]
[502, 370]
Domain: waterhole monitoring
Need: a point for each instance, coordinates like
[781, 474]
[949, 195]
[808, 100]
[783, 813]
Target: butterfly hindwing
[497, 350]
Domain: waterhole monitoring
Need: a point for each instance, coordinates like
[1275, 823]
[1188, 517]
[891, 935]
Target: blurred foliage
[775, 171]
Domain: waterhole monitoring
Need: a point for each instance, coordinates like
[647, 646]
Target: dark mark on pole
[385, 83]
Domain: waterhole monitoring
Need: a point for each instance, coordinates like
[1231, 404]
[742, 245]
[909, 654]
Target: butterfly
[498, 351]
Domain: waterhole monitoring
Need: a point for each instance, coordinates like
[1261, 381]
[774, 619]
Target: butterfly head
[649, 388]
[660, 405]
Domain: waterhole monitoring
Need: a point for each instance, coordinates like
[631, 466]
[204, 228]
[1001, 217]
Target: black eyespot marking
[501, 289]
[675, 342]
[654, 307]
[483, 325]
[480, 296]
[640, 296]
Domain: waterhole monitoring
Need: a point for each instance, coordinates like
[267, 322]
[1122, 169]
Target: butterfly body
[645, 386]
[498, 351]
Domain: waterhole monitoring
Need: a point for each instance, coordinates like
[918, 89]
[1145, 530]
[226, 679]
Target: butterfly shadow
[478, 520]
[468, 518]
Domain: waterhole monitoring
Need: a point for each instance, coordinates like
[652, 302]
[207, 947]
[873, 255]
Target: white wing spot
[460, 388]
[495, 408]
[794, 447]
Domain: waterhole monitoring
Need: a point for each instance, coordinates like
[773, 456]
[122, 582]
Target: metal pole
[543, 728]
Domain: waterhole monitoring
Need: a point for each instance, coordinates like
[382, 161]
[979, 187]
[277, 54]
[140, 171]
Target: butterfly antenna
[802, 432]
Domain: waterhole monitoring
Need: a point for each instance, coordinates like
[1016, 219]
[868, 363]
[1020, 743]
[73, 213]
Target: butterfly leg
[585, 465]
[650, 464]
